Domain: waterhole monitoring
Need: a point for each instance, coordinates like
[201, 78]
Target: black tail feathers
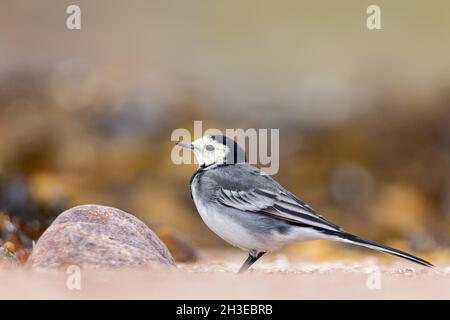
[347, 237]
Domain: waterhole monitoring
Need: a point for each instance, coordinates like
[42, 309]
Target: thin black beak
[185, 145]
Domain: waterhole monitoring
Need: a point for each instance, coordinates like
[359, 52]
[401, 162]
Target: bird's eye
[210, 147]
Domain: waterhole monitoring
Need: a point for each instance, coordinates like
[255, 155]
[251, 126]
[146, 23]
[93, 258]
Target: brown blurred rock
[10, 247]
[178, 246]
[99, 237]
[400, 209]
[7, 258]
[22, 255]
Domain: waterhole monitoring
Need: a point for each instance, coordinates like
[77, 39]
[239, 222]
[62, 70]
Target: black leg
[251, 259]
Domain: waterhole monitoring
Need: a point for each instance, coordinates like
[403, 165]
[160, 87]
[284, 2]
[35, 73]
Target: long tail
[349, 238]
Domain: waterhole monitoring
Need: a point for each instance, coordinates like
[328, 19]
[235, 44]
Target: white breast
[226, 228]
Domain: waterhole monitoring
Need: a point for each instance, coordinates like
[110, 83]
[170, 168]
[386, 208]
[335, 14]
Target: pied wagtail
[252, 211]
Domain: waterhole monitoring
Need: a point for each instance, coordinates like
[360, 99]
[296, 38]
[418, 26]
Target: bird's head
[214, 150]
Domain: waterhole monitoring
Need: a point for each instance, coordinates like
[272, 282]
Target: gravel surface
[275, 278]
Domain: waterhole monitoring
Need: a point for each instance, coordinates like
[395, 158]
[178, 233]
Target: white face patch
[209, 151]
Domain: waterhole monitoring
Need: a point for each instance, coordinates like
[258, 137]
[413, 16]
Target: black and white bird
[252, 211]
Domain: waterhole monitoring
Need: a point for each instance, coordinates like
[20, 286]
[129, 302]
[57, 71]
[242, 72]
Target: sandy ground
[216, 279]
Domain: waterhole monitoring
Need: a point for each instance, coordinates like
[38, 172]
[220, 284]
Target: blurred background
[364, 116]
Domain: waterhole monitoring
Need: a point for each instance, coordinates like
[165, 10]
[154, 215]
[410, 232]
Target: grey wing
[277, 203]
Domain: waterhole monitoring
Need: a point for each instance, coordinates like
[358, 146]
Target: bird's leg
[251, 259]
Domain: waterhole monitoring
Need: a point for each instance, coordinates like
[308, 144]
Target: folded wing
[279, 204]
